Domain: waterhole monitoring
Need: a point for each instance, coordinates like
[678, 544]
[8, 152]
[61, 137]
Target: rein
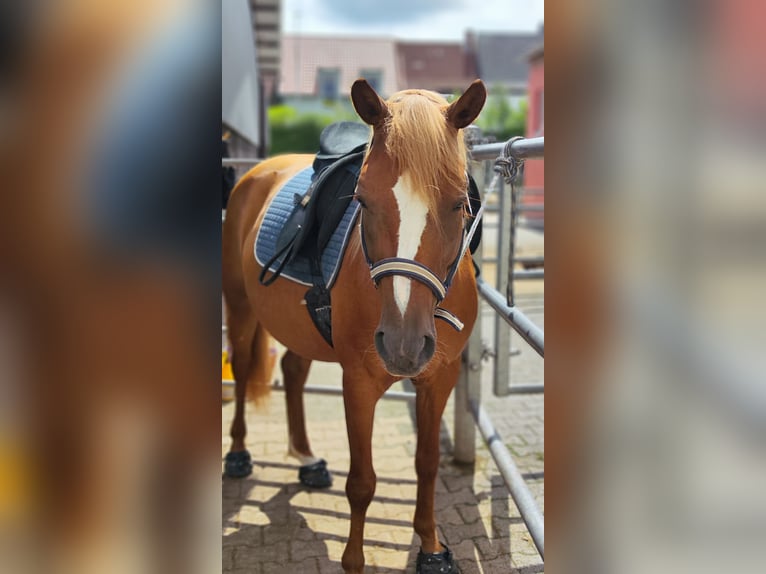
[417, 271]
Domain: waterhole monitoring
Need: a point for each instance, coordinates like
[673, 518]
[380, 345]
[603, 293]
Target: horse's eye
[361, 201]
[460, 206]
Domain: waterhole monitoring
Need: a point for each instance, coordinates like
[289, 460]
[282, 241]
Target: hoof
[438, 563]
[238, 464]
[315, 475]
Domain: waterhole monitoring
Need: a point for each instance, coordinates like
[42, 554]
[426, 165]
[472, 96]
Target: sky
[410, 19]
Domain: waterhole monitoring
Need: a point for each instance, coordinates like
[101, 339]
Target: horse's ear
[467, 107]
[367, 103]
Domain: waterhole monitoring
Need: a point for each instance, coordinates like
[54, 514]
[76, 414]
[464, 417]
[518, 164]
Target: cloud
[379, 11]
[431, 20]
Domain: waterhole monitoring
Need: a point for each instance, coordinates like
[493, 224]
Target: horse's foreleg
[359, 401]
[431, 399]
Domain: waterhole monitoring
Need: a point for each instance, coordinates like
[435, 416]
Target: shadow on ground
[279, 526]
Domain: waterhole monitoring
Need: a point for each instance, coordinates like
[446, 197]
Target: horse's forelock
[418, 136]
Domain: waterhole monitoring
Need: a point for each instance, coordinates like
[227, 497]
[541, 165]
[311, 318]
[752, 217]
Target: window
[327, 83]
[373, 77]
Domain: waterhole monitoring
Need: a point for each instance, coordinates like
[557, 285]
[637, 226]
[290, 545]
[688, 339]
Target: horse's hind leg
[242, 327]
[313, 471]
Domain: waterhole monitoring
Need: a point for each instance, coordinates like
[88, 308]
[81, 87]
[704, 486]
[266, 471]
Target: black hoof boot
[315, 475]
[438, 563]
[238, 464]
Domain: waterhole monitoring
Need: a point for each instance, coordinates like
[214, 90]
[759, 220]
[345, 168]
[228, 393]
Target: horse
[408, 256]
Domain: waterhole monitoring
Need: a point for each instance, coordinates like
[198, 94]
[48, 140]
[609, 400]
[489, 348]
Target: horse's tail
[263, 359]
[248, 339]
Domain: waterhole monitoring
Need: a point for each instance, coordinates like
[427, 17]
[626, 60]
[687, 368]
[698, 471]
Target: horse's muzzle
[404, 356]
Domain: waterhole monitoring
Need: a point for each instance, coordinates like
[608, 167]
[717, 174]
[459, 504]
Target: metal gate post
[501, 378]
[469, 388]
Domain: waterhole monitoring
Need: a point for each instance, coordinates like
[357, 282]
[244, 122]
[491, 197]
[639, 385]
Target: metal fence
[469, 413]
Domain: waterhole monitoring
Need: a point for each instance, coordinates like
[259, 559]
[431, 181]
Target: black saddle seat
[340, 139]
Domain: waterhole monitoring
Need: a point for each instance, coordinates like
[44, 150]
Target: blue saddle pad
[282, 204]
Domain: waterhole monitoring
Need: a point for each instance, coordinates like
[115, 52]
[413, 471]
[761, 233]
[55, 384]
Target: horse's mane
[424, 145]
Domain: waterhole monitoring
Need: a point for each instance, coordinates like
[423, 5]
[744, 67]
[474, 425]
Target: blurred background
[307, 54]
[655, 213]
[109, 274]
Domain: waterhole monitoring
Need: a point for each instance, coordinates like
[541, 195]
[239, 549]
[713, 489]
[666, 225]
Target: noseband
[417, 271]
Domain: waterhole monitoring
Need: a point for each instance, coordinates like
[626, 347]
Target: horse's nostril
[379, 346]
[429, 346]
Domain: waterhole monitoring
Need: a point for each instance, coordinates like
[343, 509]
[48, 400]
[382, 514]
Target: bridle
[417, 271]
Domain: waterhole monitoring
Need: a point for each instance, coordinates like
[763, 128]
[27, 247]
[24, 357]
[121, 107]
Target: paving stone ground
[271, 524]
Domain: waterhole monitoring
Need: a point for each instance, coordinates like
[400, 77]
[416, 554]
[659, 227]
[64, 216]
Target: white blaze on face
[412, 222]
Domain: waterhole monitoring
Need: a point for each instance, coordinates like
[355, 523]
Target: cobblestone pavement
[271, 524]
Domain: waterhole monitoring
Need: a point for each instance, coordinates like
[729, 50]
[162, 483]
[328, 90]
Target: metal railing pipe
[523, 148]
[494, 208]
[521, 273]
[531, 260]
[519, 490]
[327, 390]
[337, 391]
[528, 274]
[530, 332]
[238, 161]
[525, 389]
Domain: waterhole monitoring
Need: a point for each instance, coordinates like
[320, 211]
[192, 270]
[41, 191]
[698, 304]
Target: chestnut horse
[408, 256]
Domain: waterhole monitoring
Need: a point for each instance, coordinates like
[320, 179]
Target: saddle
[318, 212]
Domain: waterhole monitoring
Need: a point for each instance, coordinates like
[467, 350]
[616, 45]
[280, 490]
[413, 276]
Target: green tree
[499, 118]
[298, 132]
